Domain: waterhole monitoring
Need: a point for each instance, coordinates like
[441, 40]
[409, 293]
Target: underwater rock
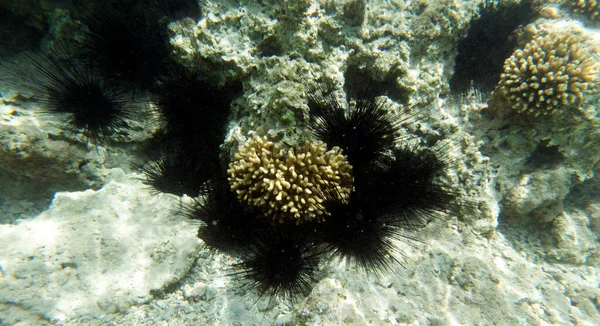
[474, 265]
[93, 253]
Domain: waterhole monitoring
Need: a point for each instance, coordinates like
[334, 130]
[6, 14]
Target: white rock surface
[523, 249]
[93, 252]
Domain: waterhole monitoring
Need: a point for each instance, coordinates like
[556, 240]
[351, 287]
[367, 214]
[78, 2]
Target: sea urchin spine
[281, 262]
[90, 104]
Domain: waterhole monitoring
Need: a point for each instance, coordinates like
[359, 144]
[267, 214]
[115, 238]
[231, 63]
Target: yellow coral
[589, 7]
[289, 184]
[550, 72]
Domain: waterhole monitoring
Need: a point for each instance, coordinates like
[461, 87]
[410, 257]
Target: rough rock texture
[29, 151]
[284, 46]
[523, 248]
[93, 252]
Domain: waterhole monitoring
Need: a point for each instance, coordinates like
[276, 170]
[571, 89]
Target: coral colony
[551, 72]
[353, 190]
[591, 8]
[289, 184]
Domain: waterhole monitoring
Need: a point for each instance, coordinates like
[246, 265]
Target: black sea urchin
[171, 9]
[176, 9]
[90, 104]
[482, 53]
[384, 210]
[281, 263]
[179, 169]
[192, 104]
[195, 113]
[396, 185]
[228, 225]
[366, 134]
[356, 234]
[126, 42]
[410, 190]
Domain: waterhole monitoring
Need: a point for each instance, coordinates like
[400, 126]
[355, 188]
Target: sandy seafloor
[84, 241]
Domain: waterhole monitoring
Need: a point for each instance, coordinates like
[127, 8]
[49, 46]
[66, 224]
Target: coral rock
[589, 7]
[291, 184]
[549, 73]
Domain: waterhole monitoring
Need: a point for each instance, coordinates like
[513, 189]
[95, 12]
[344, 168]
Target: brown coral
[550, 72]
[588, 7]
[290, 184]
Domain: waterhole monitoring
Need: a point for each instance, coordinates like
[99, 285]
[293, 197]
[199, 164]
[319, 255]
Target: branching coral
[589, 7]
[291, 184]
[550, 72]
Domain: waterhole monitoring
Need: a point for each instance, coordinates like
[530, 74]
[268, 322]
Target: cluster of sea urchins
[125, 55]
[395, 189]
